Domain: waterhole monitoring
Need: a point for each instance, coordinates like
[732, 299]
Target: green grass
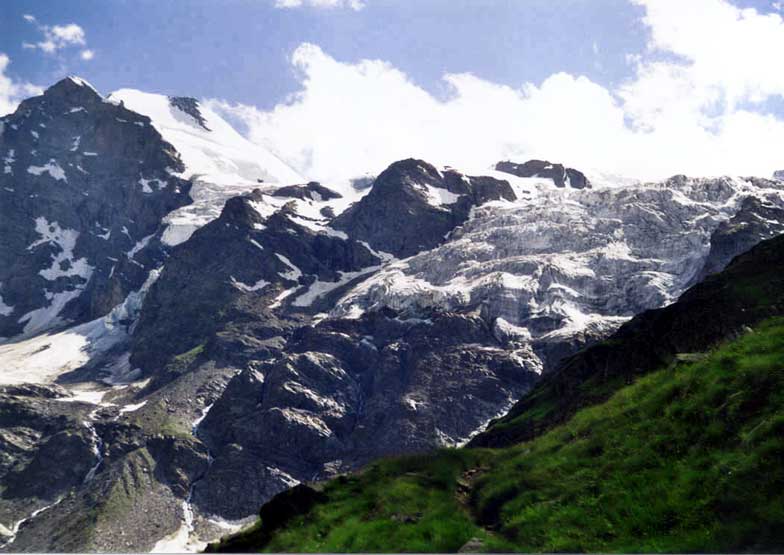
[688, 458]
[188, 357]
[405, 504]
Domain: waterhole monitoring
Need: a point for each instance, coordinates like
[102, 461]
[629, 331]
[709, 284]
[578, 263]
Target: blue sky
[241, 51]
[238, 49]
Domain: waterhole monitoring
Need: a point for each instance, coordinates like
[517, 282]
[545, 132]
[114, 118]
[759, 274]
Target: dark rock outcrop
[313, 191]
[84, 185]
[231, 282]
[561, 175]
[412, 207]
[189, 106]
[45, 449]
[754, 222]
[278, 511]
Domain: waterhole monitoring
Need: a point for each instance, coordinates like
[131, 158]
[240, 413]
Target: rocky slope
[412, 207]
[84, 187]
[558, 268]
[263, 330]
[666, 436]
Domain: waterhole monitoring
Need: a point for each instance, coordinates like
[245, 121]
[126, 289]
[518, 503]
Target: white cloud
[12, 92]
[68, 34]
[727, 51]
[669, 117]
[56, 37]
[689, 107]
[87, 54]
[352, 4]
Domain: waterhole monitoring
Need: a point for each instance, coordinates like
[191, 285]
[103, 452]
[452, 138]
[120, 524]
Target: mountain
[213, 328]
[558, 268]
[561, 176]
[84, 188]
[412, 207]
[664, 437]
[722, 307]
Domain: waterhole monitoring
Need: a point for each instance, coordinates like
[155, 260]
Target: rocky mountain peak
[778, 174]
[410, 167]
[240, 211]
[84, 187]
[561, 175]
[312, 190]
[73, 90]
[412, 206]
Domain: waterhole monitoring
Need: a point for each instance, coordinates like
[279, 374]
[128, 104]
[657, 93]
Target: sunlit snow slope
[220, 161]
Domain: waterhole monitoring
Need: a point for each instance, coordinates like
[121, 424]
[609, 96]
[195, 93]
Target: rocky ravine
[275, 335]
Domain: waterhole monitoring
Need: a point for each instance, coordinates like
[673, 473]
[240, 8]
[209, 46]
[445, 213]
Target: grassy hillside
[686, 458]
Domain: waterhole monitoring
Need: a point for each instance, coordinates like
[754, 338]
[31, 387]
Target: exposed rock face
[242, 270]
[778, 174]
[559, 269]
[83, 189]
[112, 477]
[313, 191]
[723, 306]
[412, 207]
[757, 219]
[323, 406]
[282, 343]
[311, 401]
[561, 176]
[189, 106]
[45, 450]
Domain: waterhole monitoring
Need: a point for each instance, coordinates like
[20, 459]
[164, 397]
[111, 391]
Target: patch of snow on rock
[52, 168]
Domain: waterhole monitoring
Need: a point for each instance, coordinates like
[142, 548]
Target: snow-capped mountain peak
[208, 145]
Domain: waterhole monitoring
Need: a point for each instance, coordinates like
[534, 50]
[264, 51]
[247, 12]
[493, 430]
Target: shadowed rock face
[189, 106]
[561, 176]
[756, 220]
[44, 448]
[312, 398]
[312, 190]
[84, 185]
[349, 391]
[233, 280]
[778, 174]
[412, 207]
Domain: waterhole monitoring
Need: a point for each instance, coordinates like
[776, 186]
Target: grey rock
[312, 190]
[403, 213]
[84, 185]
[322, 407]
[756, 220]
[235, 269]
[561, 176]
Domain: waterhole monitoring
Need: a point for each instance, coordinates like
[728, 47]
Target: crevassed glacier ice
[559, 262]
